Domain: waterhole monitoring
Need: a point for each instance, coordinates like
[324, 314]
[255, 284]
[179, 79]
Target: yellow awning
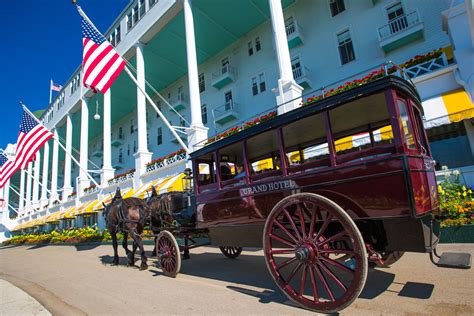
[106, 200]
[84, 206]
[54, 217]
[67, 214]
[447, 108]
[173, 183]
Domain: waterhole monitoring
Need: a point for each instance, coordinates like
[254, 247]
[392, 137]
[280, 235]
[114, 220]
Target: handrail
[399, 24]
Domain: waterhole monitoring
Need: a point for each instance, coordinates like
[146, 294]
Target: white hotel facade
[222, 62]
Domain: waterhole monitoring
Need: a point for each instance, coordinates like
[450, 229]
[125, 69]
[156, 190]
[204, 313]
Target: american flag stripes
[7, 169]
[31, 138]
[55, 86]
[101, 63]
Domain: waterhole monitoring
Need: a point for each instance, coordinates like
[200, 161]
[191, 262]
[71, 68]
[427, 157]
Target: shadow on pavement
[417, 290]
[37, 246]
[377, 283]
[87, 246]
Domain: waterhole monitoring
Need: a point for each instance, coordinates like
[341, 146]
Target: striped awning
[172, 183]
[107, 199]
[447, 108]
[84, 206]
[67, 213]
[54, 217]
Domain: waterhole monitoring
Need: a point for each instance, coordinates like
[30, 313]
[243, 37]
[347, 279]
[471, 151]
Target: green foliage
[456, 203]
[66, 236]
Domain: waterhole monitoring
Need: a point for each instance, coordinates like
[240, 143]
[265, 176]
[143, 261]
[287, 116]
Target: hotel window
[337, 6]
[346, 49]
[159, 136]
[250, 48]
[254, 86]
[112, 39]
[135, 14]
[158, 105]
[141, 4]
[134, 146]
[128, 150]
[152, 3]
[129, 22]
[202, 83]
[118, 35]
[261, 82]
[182, 122]
[132, 127]
[120, 133]
[204, 113]
[396, 18]
[258, 45]
[120, 158]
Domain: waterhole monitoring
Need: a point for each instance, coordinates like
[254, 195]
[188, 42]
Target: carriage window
[306, 150]
[206, 171]
[263, 154]
[231, 164]
[406, 124]
[361, 129]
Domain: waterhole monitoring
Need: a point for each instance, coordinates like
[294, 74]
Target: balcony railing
[399, 25]
[300, 74]
[426, 67]
[223, 77]
[293, 33]
[166, 162]
[226, 112]
[180, 102]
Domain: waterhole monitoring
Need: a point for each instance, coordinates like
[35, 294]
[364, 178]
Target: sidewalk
[14, 301]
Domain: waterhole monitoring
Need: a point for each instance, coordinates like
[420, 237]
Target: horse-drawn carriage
[325, 189]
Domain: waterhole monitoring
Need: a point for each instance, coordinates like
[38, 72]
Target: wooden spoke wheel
[315, 252]
[168, 254]
[231, 252]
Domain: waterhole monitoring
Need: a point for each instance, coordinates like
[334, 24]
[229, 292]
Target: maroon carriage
[326, 190]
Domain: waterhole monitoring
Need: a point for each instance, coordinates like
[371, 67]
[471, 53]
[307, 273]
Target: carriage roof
[318, 106]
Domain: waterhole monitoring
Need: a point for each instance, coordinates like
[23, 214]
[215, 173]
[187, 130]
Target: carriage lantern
[187, 180]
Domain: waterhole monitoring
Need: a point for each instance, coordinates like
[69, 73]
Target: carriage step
[456, 260]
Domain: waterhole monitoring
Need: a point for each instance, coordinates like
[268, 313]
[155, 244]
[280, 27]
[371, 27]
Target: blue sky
[42, 41]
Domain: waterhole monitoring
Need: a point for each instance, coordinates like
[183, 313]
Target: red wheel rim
[167, 253]
[314, 253]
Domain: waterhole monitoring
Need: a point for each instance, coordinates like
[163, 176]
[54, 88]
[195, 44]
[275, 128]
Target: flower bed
[72, 195]
[90, 189]
[419, 59]
[159, 162]
[121, 177]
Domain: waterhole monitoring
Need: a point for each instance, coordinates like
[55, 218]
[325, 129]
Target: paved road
[72, 280]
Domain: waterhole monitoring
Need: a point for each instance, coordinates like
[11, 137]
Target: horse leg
[153, 253]
[115, 245]
[138, 240]
[130, 256]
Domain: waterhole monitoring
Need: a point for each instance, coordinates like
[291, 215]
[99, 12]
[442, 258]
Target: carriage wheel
[167, 250]
[231, 252]
[315, 252]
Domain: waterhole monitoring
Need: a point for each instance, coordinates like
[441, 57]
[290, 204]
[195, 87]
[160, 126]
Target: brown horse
[163, 208]
[127, 216]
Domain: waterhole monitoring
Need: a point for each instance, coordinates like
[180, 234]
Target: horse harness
[122, 219]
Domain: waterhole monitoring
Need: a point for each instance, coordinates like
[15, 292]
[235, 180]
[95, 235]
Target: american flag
[56, 86]
[7, 169]
[31, 138]
[101, 63]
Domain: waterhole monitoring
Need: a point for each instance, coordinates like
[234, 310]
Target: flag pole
[50, 91]
[129, 73]
[64, 148]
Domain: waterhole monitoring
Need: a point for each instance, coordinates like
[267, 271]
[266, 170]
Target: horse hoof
[143, 267]
[130, 264]
[153, 253]
[114, 263]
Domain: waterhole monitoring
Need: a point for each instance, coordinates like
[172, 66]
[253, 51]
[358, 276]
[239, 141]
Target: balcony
[293, 33]
[222, 78]
[117, 141]
[300, 74]
[180, 103]
[427, 67]
[226, 113]
[97, 153]
[117, 164]
[401, 31]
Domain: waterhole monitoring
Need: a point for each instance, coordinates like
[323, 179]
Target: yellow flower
[464, 194]
[469, 191]
[464, 188]
[459, 193]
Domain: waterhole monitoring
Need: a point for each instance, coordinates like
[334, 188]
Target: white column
[67, 188]
[107, 170]
[54, 171]
[84, 181]
[44, 183]
[143, 156]
[198, 132]
[28, 187]
[6, 209]
[36, 180]
[288, 89]
[21, 201]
